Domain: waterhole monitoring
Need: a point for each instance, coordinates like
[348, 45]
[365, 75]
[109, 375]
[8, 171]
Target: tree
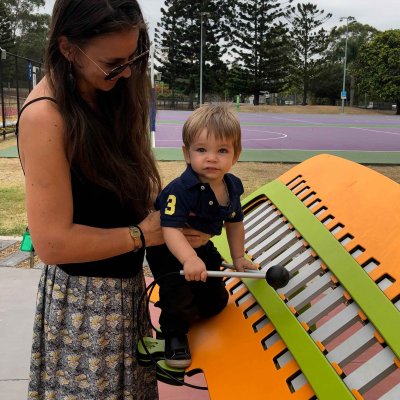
[28, 27]
[169, 52]
[20, 13]
[31, 42]
[6, 43]
[178, 44]
[326, 83]
[6, 39]
[377, 67]
[238, 81]
[357, 34]
[307, 43]
[258, 43]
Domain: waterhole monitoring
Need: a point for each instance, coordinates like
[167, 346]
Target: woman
[90, 183]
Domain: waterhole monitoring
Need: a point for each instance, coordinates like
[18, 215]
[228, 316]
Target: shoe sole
[178, 363]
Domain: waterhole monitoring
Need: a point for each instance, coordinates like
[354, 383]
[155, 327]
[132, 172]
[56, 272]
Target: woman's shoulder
[40, 125]
[40, 108]
[41, 94]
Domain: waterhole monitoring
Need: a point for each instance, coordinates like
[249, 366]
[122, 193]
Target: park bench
[334, 331]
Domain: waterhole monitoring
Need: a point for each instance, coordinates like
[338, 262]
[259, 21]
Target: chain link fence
[18, 75]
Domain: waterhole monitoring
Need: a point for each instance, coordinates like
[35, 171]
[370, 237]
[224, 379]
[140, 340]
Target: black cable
[151, 287]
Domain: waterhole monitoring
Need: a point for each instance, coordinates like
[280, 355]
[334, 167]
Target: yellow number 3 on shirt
[171, 203]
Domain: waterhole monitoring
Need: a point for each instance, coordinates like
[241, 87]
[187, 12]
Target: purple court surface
[267, 131]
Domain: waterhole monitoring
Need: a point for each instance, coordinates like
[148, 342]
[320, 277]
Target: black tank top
[98, 207]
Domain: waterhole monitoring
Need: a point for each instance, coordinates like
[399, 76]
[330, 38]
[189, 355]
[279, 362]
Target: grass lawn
[12, 193]
[12, 211]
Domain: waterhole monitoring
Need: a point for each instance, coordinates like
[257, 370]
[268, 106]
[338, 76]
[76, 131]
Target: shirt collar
[190, 178]
[232, 185]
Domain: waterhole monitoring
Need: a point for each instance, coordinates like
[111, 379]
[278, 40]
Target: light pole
[153, 99]
[201, 57]
[343, 97]
[3, 113]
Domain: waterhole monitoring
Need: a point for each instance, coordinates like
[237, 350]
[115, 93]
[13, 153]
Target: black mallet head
[277, 276]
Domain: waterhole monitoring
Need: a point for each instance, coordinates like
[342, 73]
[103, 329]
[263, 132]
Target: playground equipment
[333, 332]
[276, 276]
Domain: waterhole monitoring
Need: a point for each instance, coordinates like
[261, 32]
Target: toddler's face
[210, 158]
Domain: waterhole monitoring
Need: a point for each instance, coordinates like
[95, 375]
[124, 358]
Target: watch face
[136, 237]
[135, 232]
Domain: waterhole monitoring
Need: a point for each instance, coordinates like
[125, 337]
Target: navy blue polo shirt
[186, 201]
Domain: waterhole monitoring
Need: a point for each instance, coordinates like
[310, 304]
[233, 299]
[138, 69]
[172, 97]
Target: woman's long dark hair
[112, 146]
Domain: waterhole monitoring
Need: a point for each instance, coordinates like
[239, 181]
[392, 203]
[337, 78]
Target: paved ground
[17, 303]
[17, 306]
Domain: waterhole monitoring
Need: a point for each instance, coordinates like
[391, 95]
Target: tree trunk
[305, 90]
[352, 91]
[190, 106]
[398, 107]
[256, 100]
[173, 98]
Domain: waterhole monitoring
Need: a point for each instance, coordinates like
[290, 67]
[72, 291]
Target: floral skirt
[84, 339]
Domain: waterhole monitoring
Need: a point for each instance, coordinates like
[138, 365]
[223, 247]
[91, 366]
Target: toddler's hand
[242, 263]
[195, 269]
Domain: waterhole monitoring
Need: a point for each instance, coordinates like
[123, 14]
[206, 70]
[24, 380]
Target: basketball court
[296, 137]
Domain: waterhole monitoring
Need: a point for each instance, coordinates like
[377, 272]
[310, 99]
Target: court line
[330, 150]
[343, 127]
[303, 125]
[299, 120]
[243, 140]
[298, 150]
[373, 130]
[330, 125]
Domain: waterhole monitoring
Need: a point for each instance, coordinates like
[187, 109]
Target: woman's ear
[66, 48]
[186, 154]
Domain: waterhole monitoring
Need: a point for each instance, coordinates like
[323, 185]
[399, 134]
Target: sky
[380, 14]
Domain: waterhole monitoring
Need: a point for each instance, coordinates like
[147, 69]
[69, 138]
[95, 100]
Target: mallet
[276, 276]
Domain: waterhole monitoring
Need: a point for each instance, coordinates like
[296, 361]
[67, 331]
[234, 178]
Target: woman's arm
[49, 203]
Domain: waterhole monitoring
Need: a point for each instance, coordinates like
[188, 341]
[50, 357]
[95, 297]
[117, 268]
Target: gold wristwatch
[137, 237]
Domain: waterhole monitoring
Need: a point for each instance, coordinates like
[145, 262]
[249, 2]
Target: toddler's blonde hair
[219, 120]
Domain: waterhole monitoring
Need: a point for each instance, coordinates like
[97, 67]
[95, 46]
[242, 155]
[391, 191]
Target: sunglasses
[117, 70]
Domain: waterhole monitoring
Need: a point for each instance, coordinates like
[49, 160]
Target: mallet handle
[232, 274]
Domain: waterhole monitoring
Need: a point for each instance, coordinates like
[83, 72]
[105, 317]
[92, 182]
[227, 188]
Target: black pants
[182, 302]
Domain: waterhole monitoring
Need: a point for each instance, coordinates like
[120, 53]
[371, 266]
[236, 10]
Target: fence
[176, 103]
[17, 77]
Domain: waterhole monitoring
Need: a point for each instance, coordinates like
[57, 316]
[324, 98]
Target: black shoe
[177, 352]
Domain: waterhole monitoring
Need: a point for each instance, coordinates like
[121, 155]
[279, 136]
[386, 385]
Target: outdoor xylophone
[333, 332]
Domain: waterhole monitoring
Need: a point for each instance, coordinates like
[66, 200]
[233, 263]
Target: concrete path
[17, 307]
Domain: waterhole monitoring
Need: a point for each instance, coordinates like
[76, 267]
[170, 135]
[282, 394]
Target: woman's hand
[151, 229]
[196, 238]
[153, 236]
